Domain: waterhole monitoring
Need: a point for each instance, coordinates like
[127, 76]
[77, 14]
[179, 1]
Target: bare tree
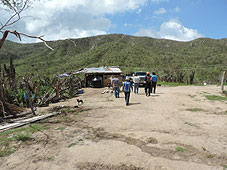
[15, 7]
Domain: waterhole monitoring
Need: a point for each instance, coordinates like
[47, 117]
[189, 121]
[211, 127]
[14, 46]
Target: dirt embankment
[176, 128]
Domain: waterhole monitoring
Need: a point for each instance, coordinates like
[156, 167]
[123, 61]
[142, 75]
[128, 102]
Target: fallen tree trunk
[27, 121]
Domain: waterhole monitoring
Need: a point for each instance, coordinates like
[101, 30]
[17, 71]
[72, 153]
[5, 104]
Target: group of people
[127, 87]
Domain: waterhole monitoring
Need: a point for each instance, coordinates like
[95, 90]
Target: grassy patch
[180, 149]
[32, 128]
[216, 98]
[72, 144]
[194, 109]
[37, 127]
[60, 128]
[7, 151]
[210, 156]
[224, 167]
[192, 96]
[10, 138]
[23, 137]
[188, 123]
[51, 158]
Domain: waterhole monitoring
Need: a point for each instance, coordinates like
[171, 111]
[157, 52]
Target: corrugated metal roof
[102, 70]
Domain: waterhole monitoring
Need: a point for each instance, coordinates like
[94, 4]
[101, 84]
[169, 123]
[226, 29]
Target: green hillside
[203, 58]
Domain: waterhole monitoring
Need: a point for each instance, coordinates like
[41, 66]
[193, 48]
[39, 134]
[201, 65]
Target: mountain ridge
[131, 53]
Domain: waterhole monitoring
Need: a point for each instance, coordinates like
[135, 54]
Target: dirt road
[175, 129]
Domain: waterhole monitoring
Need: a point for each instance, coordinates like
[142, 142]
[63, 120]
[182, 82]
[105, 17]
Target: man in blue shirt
[126, 89]
[154, 80]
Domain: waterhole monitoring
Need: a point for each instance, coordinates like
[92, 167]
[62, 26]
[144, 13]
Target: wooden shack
[104, 73]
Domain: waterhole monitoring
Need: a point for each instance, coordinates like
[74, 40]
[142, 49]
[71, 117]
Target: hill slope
[206, 57]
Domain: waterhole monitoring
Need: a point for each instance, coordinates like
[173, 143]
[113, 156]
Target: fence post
[223, 82]
[29, 96]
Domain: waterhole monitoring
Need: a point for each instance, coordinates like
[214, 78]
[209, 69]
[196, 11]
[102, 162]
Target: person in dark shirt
[148, 84]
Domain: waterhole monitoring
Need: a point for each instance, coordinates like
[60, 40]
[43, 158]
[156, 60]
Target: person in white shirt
[136, 81]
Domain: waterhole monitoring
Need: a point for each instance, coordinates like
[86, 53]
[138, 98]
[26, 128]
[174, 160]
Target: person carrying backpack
[154, 80]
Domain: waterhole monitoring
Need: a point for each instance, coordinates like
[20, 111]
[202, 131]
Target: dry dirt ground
[175, 129]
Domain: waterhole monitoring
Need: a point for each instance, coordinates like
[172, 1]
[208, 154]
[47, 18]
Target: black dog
[80, 101]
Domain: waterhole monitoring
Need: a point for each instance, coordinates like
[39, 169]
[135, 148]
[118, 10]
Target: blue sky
[208, 17]
[181, 20]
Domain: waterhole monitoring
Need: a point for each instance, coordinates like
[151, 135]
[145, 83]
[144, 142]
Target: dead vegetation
[29, 92]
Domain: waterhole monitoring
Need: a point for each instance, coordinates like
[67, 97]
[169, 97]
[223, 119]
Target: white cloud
[59, 19]
[173, 30]
[158, 1]
[160, 11]
[64, 33]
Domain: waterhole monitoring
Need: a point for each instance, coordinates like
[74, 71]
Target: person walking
[130, 79]
[154, 80]
[148, 84]
[126, 88]
[116, 86]
[136, 81]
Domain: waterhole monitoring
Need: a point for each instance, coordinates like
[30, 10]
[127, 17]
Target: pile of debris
[32, 92]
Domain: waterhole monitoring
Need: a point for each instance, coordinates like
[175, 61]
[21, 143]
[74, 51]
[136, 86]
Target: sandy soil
[152, 133]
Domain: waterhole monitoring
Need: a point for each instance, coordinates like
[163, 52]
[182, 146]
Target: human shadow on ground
[154, 95]
[134, 103]
[119, 97]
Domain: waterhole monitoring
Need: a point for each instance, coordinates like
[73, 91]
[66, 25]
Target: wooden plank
[26, 121]
[18, 115]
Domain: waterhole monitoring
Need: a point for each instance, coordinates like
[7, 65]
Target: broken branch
[18, 35]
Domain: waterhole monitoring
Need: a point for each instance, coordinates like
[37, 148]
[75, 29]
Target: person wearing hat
[148, 84]
[126, 88]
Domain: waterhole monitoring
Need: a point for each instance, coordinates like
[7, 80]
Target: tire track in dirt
[190, 154]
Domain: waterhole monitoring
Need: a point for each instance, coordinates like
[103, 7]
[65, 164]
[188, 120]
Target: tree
[15, 8]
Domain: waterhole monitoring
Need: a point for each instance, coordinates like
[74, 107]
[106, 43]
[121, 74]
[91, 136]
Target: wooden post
[0, 71]
[57, 89]
[1, 82]
[223, 82]
[3, 107]
[35, 94]
[29, 96]
[71, 87]
[12, 73]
